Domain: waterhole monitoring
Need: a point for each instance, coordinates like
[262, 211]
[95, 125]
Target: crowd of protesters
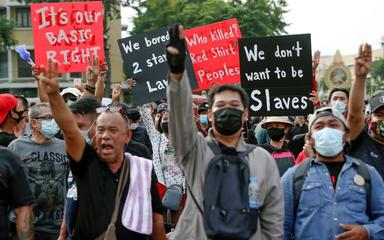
[72, 167]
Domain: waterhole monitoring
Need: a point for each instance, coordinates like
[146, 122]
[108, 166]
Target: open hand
[49, 77]
[116, 91]
[93, 70]
[103, 69]
[315, 61]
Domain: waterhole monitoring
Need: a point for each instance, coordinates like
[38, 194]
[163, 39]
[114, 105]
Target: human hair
[337, 90]
[23, 100]
[226, 87]
[35, 110]
[86, 106]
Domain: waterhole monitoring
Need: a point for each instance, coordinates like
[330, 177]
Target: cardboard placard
[276, 72]
[214, 53]
[145, 61]
[69, 33]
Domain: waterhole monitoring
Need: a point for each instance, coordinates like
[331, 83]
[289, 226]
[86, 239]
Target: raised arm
[40, 90]
[100, 83]
[73, 138]
[355, 118]
[182, 128]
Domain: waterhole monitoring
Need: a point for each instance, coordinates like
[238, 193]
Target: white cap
[74, 91]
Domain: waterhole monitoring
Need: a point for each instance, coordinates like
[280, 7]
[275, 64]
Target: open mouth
[106, 148]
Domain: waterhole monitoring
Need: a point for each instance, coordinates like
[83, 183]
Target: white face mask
[339, 106]
[329, 142]
[134, 126]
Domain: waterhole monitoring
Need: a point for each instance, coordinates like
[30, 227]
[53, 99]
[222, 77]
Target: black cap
[376, 101]
[203, 107]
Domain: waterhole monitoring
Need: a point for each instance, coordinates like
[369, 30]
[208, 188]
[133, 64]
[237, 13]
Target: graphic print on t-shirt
[46, 171]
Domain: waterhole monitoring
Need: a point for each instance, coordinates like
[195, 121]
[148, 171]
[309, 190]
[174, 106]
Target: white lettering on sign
[282, 103]
[255, 54]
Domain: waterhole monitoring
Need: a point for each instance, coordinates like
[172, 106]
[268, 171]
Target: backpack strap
[298, 181]
[362, 170]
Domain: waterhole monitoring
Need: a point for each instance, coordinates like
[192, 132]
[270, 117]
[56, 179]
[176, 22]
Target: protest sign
[276, 72]
[214, 53]
[69, 33]
[145, 61]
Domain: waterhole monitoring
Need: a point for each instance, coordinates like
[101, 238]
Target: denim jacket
[322, 208]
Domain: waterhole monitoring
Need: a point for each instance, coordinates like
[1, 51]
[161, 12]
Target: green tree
[6, 29]
[255, 17]
[377, 77]
[378, 69]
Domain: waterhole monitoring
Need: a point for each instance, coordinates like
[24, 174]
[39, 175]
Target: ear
[347, 137]
[246, 114]
[286, 129]
[129, 135]
[309, 139]
[369, 120]
[210, 115]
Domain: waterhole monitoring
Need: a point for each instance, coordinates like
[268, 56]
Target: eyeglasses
[47, 117]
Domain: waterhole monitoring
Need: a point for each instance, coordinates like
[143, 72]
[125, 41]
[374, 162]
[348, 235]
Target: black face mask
[276, 134]
[19, 115]
[164, 127]
[228, 120]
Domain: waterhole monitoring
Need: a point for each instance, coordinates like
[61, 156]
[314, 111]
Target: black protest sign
[145, 61]
[276, 72]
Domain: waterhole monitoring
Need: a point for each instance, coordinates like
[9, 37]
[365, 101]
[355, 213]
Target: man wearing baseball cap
[332, 195]
[368, 142]
[8, 118]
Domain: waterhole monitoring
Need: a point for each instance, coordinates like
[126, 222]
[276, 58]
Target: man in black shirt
[97, 173]
[368, 143]
[16, 194]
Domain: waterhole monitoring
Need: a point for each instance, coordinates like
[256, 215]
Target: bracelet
[88, 86]
[90, 89]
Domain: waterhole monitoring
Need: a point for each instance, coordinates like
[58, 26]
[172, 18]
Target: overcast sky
[333, 24]
[337, 24]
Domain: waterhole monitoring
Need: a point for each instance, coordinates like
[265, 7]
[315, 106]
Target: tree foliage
[6, 29]
[378, 69]
[256, 17]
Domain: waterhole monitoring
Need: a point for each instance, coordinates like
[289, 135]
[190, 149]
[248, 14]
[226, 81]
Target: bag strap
[120, 188]
[362, 170]
[298, 182]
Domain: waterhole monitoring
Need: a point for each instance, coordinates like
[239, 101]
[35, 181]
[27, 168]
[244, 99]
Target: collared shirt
[322, 208]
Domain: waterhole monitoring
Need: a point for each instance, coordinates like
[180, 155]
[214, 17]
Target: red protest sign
[215, 53]
[69, 33]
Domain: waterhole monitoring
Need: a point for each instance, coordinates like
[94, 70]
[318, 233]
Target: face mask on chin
[228, 121]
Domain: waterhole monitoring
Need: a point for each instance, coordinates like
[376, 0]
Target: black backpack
[226, 205]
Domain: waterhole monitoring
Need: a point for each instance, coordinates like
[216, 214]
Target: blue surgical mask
[329, 142]
[204, 119]
[86, 137]
[339, 106]
[49, 128]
